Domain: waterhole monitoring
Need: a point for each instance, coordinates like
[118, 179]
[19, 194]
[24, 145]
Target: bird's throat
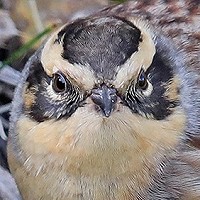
[93, 152]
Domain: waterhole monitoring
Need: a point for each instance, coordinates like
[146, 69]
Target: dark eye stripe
[156, 105]
[45, 106]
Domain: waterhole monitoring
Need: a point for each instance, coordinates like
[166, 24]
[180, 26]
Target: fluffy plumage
[109, 108]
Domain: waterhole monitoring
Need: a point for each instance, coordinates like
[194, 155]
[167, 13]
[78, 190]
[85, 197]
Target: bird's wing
[8, 187]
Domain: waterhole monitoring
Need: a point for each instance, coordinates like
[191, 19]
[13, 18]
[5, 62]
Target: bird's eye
[59, 83]
[142, 81]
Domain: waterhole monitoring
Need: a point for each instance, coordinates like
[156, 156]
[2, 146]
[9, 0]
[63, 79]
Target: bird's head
[106, 85]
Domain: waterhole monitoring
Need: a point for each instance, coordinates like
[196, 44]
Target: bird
[108, 107]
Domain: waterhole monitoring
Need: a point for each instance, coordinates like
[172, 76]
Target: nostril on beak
[105, 97]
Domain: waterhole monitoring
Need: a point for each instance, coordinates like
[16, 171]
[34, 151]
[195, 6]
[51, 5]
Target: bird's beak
[105, 97]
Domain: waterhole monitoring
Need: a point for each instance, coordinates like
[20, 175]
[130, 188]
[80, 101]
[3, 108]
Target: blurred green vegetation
[27, 46]
[119, 1]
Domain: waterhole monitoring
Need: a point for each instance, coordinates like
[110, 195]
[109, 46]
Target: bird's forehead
[99, 49]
